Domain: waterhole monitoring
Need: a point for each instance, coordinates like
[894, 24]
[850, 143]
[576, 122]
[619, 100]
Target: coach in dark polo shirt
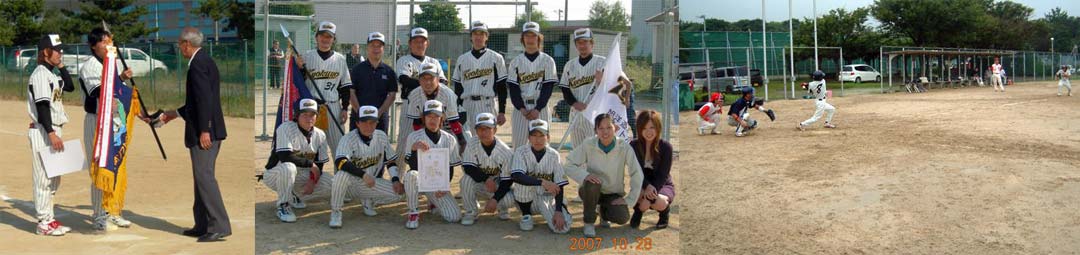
[374, 83]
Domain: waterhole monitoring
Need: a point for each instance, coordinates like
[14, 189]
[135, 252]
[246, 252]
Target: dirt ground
[159, 196]
[951, 171]
[386, 232]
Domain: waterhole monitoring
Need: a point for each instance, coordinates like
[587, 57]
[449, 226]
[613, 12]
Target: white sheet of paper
[434, 170]
[71, 160]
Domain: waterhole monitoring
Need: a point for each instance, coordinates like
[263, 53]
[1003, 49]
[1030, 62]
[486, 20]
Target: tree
[215, 10]
[19, 19]
[845, 29]
[610, 16]
[1062, 27]
[122, 16]
[439, 17]
[932, 23]
[536, 15]
[240, 19]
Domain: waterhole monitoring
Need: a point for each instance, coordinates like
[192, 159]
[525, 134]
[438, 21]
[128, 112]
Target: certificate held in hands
[58, 163]
[434, 172]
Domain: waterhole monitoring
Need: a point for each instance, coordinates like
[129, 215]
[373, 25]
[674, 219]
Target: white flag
[611, 96]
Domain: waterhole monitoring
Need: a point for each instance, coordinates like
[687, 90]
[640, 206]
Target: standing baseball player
[817, 89]
[486, 161]
[361, 154]
[997, 75]
[431, 136]
[577, 84]
[539, 179]
[301, 151]
[431, 89]
[1063, 79]
[532, 78]
[711, 113]
[408, 69]
[90, 76]
[739, 113]
[601, 166]
[330, 72]
[480, 77]
[46, 109]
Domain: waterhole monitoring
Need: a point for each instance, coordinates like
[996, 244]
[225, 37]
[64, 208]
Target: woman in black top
[654, 156]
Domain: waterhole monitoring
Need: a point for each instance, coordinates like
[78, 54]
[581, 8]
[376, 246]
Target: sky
[501, 16]
[777, 10]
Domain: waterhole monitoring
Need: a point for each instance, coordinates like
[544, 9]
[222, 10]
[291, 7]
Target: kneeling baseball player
[486, 162]
[539, 179]
[360, 155]
[300, 152]
[431, 136]
[739, 116]
[710, 114]
[817, 89]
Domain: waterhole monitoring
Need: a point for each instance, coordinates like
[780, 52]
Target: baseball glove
[772, 115]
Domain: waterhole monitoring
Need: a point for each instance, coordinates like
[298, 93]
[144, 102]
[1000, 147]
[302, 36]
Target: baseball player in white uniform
[431, 136]
[532, 78]
[479, 78]
[431, 89]
[577, 84]
[408, 68]
[90, 78]
[301, 151]
[997, 75]
[711, 114]
[1063, 79]
[818, 90]
[330, 72]
[361, 154]
[48, 117]
[486, 162]
[539, 179]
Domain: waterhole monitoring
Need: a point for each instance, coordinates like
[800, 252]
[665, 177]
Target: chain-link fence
[159, 72]
[965, 66]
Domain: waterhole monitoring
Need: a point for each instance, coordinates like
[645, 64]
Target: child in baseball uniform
[739, 113]
[601, 165]
[362, 153]
[90, 76]
[301, 150]
[710, 114]
[486, 162]
[330, 74]
[431, 89]
[532, 78]
[578, 84]
[431, 136]
[479, 78]
[1063, 79]
[998, 73]
[44, 103]
[818, 91]
[539, 179]
[409, 68]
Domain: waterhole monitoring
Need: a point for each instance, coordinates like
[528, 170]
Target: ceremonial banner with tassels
[117, 109]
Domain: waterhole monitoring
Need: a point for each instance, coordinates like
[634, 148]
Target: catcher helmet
[747, 90]
[714, 97]
[818, 75]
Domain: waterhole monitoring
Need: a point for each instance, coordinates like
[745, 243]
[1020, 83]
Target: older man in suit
[203, 132]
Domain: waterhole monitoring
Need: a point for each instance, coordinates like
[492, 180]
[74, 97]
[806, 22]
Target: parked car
[140, 63]
[755, 77]
[859, 73]
[21, 58]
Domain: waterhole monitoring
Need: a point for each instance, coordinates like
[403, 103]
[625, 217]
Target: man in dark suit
[204, 130]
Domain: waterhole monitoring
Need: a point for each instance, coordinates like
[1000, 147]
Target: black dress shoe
[193, 232]
[212, 237]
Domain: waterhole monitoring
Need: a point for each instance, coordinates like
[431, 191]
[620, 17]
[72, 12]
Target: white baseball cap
[485, 119]
[376, 36]
[478, 26]
[583, 33]
[418, 32]
[368, 112]
[327, 26]
[433, 106]
[308, 105]
[538, 125]
[429, 68]
[531, 27]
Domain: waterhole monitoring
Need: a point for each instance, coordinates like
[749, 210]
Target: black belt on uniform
[530, 101]
[819, 99]
[478, 98]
